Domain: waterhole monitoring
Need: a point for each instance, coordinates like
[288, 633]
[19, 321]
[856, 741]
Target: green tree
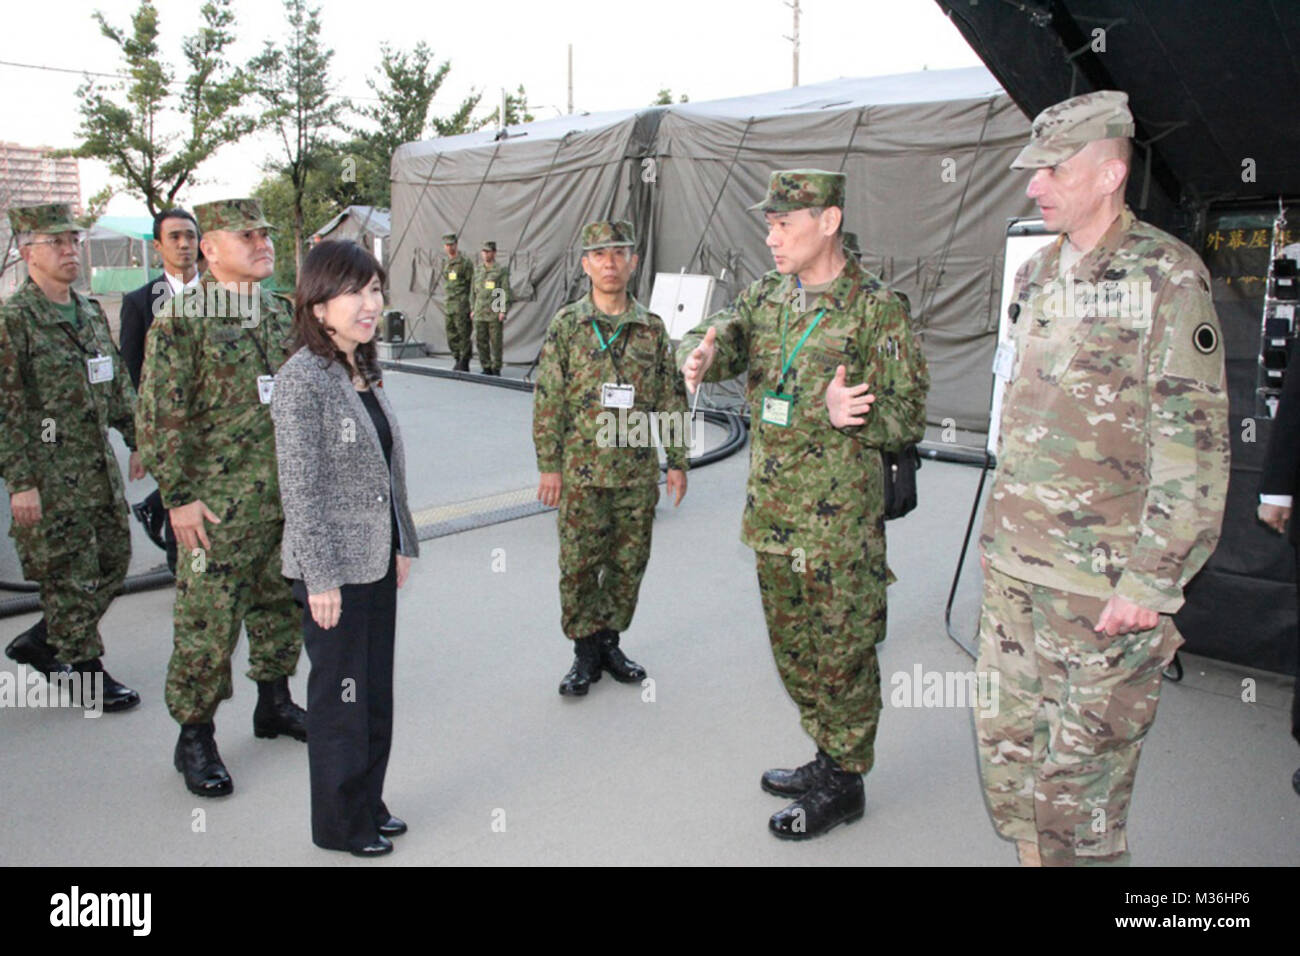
[126, 124]
[407, 85]
[516, 110]
[665, 98]
[293, 81]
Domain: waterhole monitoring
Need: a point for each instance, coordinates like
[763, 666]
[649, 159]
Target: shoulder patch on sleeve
[1196, 352]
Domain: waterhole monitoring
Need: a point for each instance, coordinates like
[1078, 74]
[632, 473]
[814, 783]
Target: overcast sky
[623, 53]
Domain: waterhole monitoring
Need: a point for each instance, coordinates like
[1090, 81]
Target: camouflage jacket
[813, 486]
[488, 282]
[1113, 449]
[572, 432]
[458, 279]
[53, 422]
[204, 433]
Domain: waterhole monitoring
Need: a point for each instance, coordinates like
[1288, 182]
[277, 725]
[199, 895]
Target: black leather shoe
[392, 827]
[117, 696]
[791, 783]
[276, 713]
[380, 847]
[837, 797]
[616, 662]
[586, 667]
[30, 648]
[197, 758]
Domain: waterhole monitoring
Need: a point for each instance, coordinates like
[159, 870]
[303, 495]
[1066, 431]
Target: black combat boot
[117, 696]
[197, 758]
[837, 797]
[616, 662]
[586, 667]
[30, 648]
[791, 783]
[276, 713]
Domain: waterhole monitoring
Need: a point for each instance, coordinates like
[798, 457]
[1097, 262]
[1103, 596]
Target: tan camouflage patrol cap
[448, 238]
[50, 217]
[490, 245]
[789, 189]
[1062, 130]
[608, 233]
[230, 214]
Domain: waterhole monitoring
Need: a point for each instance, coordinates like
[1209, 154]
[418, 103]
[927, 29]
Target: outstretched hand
[698, 362]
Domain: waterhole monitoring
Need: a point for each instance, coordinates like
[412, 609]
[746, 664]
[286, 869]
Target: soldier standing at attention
[604, 369]
[458, 284]
[491, 301]
[62, 385]
[814, 509]
[206, 435]
[1112, 474]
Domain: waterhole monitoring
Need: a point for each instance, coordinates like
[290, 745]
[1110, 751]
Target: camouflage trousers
[237, 582]
[824, 622]
[460, 340]
[604, 548]
[489, 343]
[1059, 754]
[79, 558]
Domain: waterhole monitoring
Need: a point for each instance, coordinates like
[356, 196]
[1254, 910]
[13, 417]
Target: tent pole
[699, 246]
[928, 301]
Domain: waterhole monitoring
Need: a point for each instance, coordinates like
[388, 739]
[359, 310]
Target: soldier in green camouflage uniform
[491, 302]
[457, 284]
[206, 434]
[814, 509]
[605, 368]
[1112, 473]
[62, 386]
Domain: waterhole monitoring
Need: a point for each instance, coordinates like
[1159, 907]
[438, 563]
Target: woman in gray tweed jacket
[348, 539]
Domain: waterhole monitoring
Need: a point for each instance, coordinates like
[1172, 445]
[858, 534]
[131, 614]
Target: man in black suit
[176, 239]
[1280, 484]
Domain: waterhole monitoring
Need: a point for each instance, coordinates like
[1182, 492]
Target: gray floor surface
[491, 766]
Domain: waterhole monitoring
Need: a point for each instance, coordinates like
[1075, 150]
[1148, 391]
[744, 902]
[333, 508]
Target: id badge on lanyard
[776, 409]
[265, 387]
[99, 368]
[614, 395]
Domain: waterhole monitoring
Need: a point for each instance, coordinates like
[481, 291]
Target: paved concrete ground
[482, 737]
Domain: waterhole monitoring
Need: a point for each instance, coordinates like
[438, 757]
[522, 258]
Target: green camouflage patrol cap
[448, 238]
[607, 233]
[789, 189]
[490, 246]
[1062, 130]
[231, 215]
[50, 217]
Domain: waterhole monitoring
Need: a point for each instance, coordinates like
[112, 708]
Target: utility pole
[794, 39]
[570, 78]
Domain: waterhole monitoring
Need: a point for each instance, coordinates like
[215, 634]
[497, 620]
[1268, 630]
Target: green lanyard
[604, 346]
[786, 363]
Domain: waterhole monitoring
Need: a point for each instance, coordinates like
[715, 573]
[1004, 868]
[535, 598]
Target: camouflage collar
[43, 310]
[1096, 259]
[852, 278]
[635, 312]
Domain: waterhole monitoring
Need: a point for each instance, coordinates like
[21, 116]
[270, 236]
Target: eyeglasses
[59, 242]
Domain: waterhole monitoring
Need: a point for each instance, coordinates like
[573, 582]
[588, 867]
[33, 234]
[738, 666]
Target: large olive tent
[929, 197]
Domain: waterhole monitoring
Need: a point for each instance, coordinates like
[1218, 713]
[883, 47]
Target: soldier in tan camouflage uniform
[62, 386]
[814, 510]
[491, 303]
[458, 286]
[1112, 474]
[206, 434]
[605, 368]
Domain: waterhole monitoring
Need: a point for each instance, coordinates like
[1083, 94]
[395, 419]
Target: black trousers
[350, 712]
